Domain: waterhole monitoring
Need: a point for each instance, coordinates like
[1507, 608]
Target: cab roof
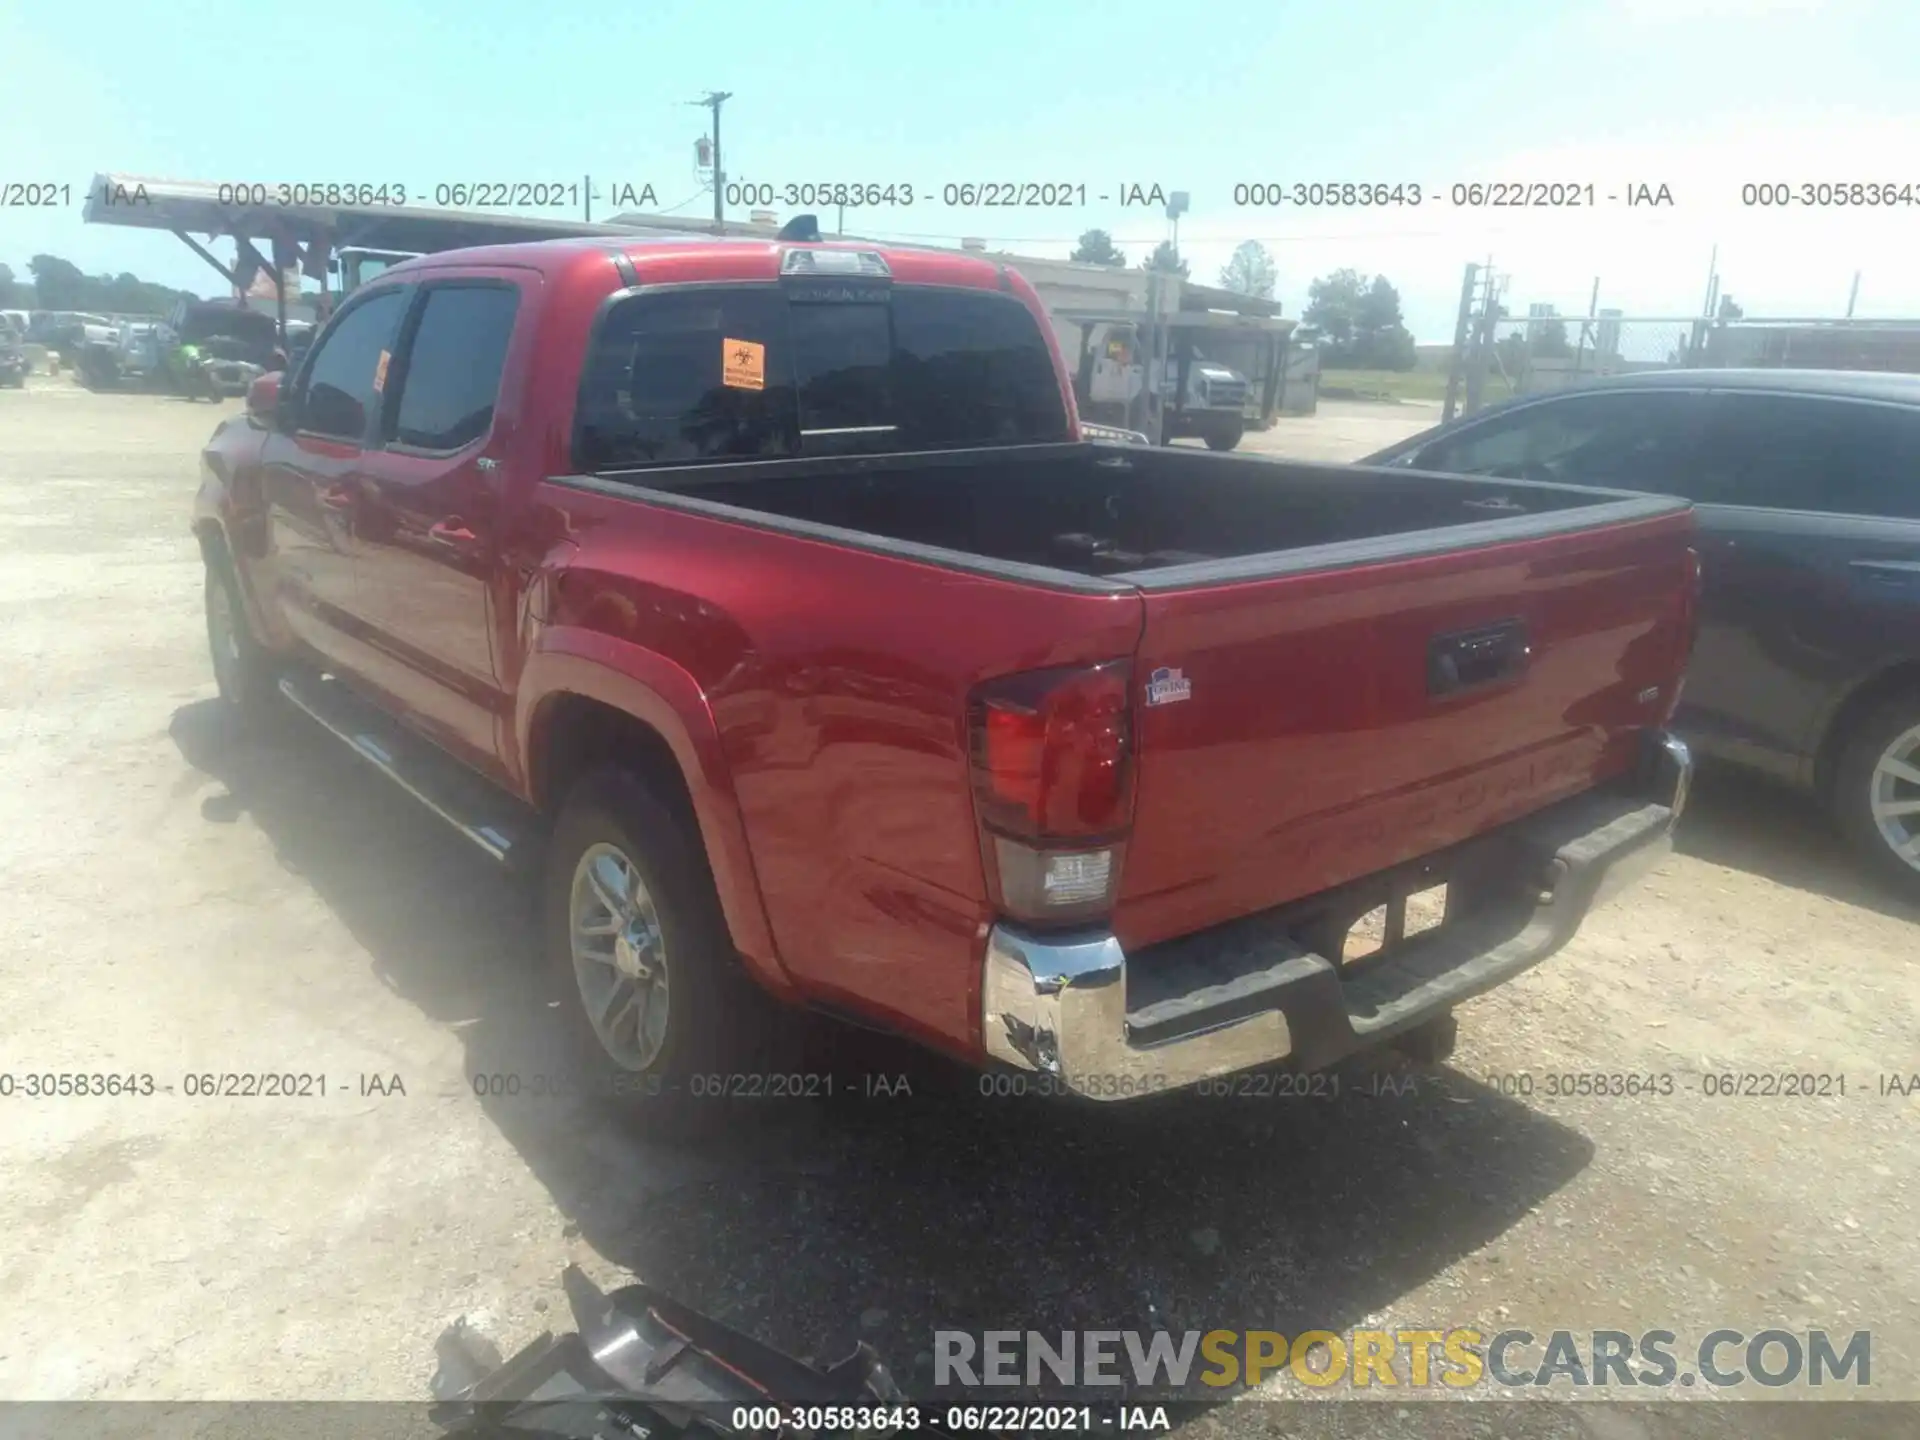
[695, 257]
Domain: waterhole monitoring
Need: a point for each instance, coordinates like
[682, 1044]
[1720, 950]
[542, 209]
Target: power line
[681, 205]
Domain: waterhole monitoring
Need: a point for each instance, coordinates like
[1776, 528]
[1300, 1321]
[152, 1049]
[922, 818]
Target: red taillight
[1689, 632]
[1052, 754]
[1690, 606]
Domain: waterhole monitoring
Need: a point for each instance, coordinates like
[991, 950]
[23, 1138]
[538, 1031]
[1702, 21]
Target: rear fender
[661, 695]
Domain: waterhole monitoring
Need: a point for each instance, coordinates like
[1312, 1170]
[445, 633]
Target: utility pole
[1457, 363]
[1698, 341]
[1853, 295]
[713, 101]
[1483, 337]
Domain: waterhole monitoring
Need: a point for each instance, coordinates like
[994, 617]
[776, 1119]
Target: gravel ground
[178, 902]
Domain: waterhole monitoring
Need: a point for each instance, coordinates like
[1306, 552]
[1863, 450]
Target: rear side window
[1627, 440]
[1803, 452]
[346, 373]
[453, 366]
[740, 372]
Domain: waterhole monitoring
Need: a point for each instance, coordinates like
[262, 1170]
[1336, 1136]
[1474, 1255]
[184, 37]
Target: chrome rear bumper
[1252, 993]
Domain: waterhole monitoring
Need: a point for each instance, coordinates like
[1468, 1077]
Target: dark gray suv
[1806, 488]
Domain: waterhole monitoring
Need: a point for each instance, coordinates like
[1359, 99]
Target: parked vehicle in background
[140, 351]
[15, 363]
[770, 594]
[355, 265]
[1204, 400]
[203, 349]
[1807, 489]
[1200, 399]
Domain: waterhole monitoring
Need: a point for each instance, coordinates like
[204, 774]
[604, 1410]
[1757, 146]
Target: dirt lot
[177, 902]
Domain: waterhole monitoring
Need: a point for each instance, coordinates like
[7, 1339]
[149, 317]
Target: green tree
[13, 295]
[1512, 351]
[1251, 271]
[1549, 339]
[1096, 247]
[61, 285]
[1729, 310]
[1356, 321]
[57, 284]
[1380, 335]
[1166, 260]
[1329, 316]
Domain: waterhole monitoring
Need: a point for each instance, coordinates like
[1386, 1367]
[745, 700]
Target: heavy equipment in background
[355, 265]
[1199, 398]
[1210, 377]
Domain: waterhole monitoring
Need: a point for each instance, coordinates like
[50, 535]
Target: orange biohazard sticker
[380, 373]
[743, 364]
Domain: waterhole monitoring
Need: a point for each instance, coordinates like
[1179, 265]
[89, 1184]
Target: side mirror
[263, 397]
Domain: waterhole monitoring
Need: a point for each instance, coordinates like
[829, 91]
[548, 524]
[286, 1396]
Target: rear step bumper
[1257, 991]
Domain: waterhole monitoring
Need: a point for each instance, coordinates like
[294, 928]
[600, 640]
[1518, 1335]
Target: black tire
[1432, 1041]
[713, 1012]
[1890, 731]
[1225, 437]
[242, 669]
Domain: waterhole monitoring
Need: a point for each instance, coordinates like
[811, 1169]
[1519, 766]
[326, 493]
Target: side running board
[493, 820]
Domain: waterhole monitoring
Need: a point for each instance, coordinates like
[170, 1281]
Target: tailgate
[1320, 725]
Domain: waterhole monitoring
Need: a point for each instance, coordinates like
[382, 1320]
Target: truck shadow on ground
[1746, 822]
[915, 1199]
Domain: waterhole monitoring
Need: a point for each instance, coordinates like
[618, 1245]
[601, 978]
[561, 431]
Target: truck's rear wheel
[1876, 790]
[1225, 437]
[638, 945]
[242, 670]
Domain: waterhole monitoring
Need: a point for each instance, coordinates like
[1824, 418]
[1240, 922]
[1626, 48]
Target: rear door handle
[451, 534]
[1895, 577]
[1907, 569]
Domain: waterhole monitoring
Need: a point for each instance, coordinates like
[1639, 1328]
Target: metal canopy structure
[194, 206]
[275, 238]
[1210, 297]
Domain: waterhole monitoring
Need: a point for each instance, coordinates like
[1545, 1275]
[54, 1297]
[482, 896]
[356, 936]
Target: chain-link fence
[1550, 353]
[1544, 351]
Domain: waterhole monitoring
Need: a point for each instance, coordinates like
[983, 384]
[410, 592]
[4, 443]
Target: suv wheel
[1876, 793]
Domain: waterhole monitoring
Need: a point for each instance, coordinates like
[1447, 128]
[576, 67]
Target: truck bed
[1155, 517]
[1356, 667]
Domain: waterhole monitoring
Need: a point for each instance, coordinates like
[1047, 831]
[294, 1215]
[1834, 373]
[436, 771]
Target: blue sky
[1703, 94]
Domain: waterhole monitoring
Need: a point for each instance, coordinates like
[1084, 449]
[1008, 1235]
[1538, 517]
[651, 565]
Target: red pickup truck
[769, 593]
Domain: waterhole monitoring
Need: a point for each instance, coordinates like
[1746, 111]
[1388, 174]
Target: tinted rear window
[740, 372]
